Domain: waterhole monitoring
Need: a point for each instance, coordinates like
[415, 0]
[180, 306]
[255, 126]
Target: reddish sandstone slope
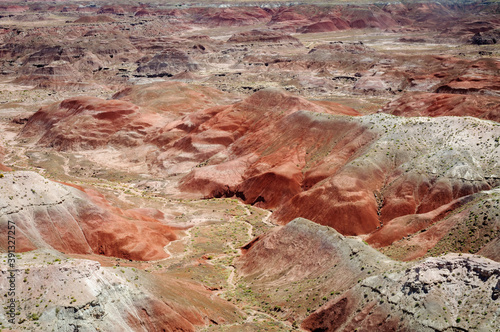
[173, 98]
[351, 173]
[468, 224]
[68, 294]
[330, 282]
[74, 220]
[263, 134]
[440, 104]
[318, 261]
[89, 123]
[479, 77]
[83, 123]
[226, 17]
[283, 152]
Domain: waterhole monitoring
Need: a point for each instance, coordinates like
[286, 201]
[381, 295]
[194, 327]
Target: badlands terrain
[250, 166]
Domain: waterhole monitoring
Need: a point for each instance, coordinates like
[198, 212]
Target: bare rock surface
[365, 289]
[82, 294]
[439, 294]
[280, 151]
[284, 256]
[479, 77]
[48, 214]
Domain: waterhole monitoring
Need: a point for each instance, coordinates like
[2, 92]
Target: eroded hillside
[238, 166]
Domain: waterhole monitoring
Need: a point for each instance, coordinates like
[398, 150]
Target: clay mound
[173, 98]
[349, 285]
[82, 294]
[89, 123]
[285, 14]
[128, 131]
[226, 17]
[116, 10]
[468, 224]
[248, 125]
[168, 63]
[330, 169]
[94, 19]
[186, 76]
[66, 67]
[13, 9]
[144, 13]
[49, 54]
[264, 36]
[322, 26]
[440, 104]
[368, 17]
[300, 252]
[74, 220]
[436, 294]
[58, 75]
[480, 77]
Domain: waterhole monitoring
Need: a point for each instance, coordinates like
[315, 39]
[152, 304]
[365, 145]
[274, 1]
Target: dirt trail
[184, 240]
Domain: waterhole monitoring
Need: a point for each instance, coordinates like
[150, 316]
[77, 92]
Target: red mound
[287, 14]
[234, 16]
[94, 19]
[80, 221]
[350, 313]
[322, 26]
[117, 10]
[143, 13]
[87, 123]
[480, 77]
[173, 98]
[278, 151]
[90, 123]
[440, 104]
[368, 17]
[263, 36]
[13, 9]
